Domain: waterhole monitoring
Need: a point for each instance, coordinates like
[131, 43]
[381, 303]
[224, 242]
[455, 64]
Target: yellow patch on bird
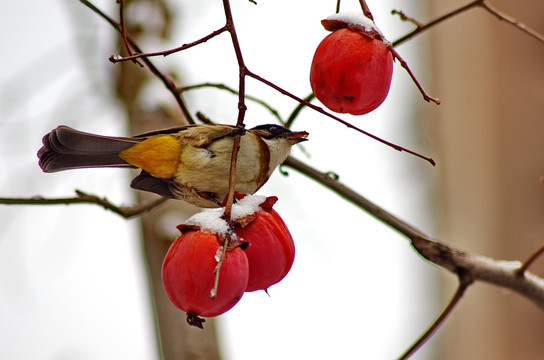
[159, 156]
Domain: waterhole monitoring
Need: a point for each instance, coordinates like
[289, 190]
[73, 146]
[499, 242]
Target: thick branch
[504, 274]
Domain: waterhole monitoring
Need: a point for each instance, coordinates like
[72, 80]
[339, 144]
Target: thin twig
[405, 17]
[237, 138]
[420, 27]
[321, 111]
[168, 83]
[217, 269]
[512, 21]
[84, 198]
[241, 107]
[124, 31]
[404, 64]
[263, 103]
[366, 10]
[115, 59]
[297, 110]
[465, 280]
[527, 263]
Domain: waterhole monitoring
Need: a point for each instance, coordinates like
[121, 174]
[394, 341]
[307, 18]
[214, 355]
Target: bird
[190, 163]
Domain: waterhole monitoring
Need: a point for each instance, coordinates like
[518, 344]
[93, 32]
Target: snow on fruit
[352, 67]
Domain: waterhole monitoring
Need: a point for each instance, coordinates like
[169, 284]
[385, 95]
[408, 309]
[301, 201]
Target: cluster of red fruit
[352, 67]
[260, 254]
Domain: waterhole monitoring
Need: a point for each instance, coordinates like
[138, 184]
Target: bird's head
[278, 132]
[279, 141]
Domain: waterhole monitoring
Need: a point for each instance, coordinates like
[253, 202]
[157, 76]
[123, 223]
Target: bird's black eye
[273, 129]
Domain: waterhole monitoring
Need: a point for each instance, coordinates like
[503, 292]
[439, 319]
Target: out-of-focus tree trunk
[489, 133]
[176, 338]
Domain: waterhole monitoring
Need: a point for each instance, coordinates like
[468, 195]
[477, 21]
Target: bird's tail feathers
[66, 148]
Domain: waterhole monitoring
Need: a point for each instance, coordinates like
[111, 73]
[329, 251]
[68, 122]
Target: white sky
[72, 278]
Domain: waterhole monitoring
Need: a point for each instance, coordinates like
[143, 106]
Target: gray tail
[65, 148]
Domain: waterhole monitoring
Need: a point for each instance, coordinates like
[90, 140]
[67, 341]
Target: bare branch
[321, 111]
[366, 10]
[115, 58]
[404, 64]
[229, 201]
[297, 111]
[527, 263]
[464, 282]
[420, 27]
[502, 16]
[405, 17]
[168, 83]
[123, 30]
[480, 268]
[263, 103]
[84, 198]
[241, 110]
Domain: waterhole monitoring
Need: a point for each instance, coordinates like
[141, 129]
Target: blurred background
[79, 282]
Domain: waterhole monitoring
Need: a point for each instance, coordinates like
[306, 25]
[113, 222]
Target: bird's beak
[296, 136]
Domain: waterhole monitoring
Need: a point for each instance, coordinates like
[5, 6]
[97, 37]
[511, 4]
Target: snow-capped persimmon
[352, 67]
[188, 273]
[271, 250]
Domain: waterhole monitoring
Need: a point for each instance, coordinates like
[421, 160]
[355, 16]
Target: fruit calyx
[355, 21]
[243, 212]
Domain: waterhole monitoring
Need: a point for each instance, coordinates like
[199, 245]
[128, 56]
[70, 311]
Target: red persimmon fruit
[271, 249]
[352, 67]
[188, 273]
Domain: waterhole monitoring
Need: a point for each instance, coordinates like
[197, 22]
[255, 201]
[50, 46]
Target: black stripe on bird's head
[273, 131]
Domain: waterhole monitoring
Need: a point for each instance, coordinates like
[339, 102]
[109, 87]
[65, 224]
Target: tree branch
[263, 103]
[349, 125]
[420, 27]
[527, 263]
[115, 59]
[464, 282]
[168, 83]
[504, 274]
[512, 21]
[84, 198]
[404, 64]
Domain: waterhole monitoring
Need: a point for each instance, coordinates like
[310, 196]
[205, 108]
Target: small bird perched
[190, 163]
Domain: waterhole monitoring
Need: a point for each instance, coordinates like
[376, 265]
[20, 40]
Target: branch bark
[126, 212]
[501, 273]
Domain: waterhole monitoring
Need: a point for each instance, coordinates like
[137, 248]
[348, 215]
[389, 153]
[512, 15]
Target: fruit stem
[222, 251]
[404, 64]
[366, 10]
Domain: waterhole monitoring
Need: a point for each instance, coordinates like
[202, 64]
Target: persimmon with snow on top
[352, 67]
